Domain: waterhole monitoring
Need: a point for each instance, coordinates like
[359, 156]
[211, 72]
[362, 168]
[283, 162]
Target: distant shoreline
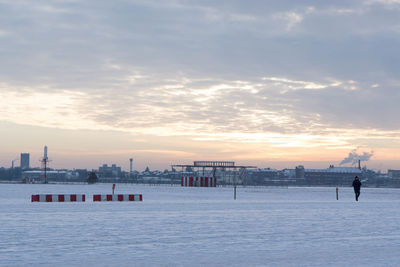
[178, 185]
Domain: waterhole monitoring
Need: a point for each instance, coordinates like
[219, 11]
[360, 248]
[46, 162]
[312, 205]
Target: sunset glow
[264, 85]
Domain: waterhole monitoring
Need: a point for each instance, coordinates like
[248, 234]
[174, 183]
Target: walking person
[356, 186]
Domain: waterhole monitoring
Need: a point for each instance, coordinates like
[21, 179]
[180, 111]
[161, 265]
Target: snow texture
[176, 226]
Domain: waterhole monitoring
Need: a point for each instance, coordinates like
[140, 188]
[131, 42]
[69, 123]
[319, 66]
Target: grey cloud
[176, 35]
[183, 47]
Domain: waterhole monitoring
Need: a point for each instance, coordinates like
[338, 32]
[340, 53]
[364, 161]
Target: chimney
[130, 168]
[359, 164]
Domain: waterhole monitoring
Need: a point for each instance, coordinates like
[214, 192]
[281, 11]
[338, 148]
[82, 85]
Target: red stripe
[131, 197]
[140, 198]
[182, 181]
[206, 181]
[83, 198]
[49, 198]
[35, 198]
[60, 198]
[109, 197]
[96, 197]
[72, 198]
[120, 197]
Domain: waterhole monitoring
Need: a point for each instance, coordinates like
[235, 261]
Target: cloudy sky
[266, 83]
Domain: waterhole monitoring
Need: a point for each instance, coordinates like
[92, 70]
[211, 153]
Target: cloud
[281, 73]
[292, 19]
[273, 109]
[299, 85]
[383, 2]
[3, 33]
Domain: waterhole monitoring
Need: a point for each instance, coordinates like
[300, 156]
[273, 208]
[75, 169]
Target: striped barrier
[118, 197]
[58, 198]
[199, 181]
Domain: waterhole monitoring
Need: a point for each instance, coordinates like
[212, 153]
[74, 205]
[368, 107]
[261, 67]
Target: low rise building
[394, 174]
[339, 176]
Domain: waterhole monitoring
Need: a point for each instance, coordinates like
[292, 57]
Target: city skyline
[354, 159]
[272, 85]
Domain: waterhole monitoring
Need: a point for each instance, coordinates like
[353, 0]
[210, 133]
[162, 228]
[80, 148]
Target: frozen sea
[176, 226]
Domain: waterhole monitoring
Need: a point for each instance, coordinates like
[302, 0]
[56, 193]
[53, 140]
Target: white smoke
[354, 157]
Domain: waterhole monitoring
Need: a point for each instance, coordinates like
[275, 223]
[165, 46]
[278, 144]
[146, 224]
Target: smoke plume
[354, 157]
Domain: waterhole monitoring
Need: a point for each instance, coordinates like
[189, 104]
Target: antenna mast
[45, 160]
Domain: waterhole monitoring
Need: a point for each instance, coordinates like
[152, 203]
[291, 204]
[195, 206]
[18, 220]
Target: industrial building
[337, 176]
[262, 176]
[300, 176]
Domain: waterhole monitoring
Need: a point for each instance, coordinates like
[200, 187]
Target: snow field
[176, 226]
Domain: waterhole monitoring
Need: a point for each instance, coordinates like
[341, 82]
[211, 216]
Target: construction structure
[199, 181]
[209, 173]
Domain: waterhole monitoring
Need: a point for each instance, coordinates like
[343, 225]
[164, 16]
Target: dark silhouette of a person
[356, 186]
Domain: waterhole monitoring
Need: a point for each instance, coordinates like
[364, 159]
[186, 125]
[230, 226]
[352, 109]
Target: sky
[265, 83]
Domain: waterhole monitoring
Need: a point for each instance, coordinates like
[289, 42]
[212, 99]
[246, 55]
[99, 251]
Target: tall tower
[24, 161]
[45, 153]
[130, 167]
[45, 160]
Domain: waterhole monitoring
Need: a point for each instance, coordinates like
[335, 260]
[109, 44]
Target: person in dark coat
[356, 186]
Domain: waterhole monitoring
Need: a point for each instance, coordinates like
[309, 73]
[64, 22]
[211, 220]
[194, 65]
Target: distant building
[82, 174]
[300, 172]
[394, 174]
[51, 175]
[109, 171]
[24, 161]
[330, 176]
[261, 176]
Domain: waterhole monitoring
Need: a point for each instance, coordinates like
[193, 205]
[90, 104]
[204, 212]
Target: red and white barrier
[58, 198]
[199, 181]
[118, 197]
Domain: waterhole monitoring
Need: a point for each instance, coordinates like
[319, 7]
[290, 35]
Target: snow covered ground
[177, 226]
